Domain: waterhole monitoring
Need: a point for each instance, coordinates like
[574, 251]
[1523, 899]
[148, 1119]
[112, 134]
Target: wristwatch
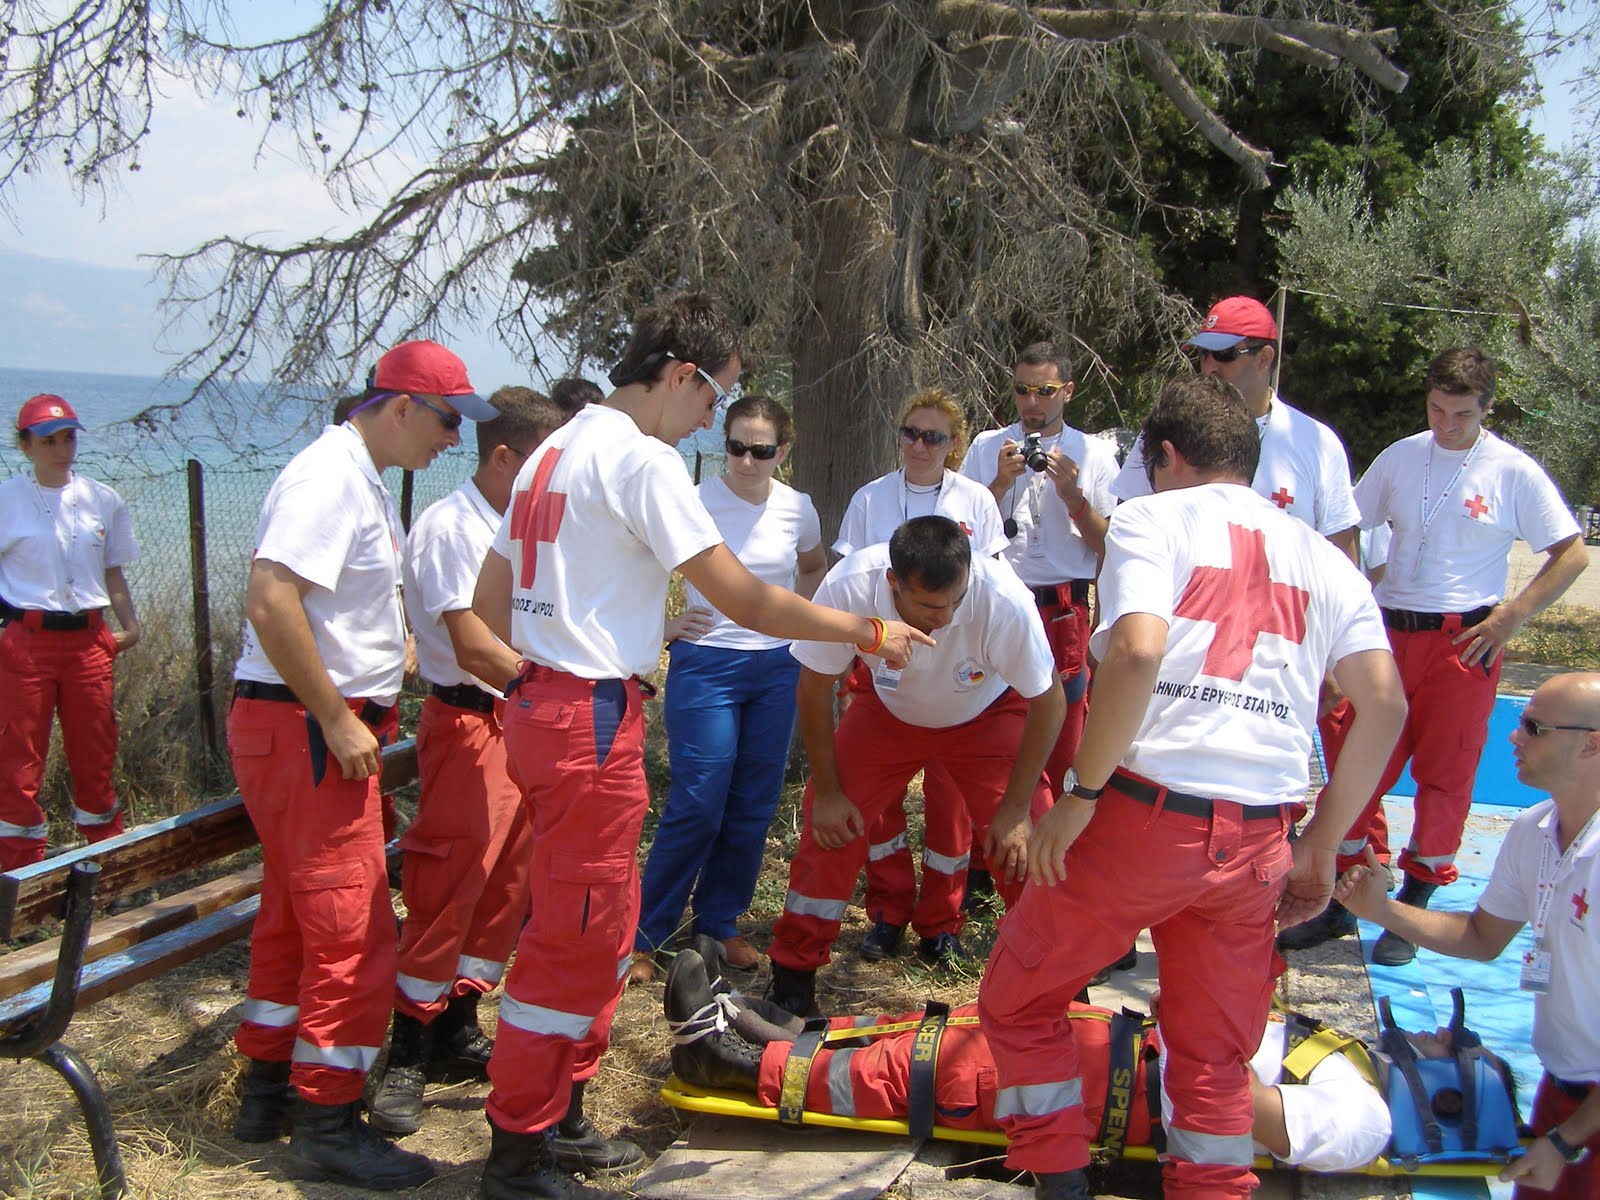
[1573, 1154]
[1071, 787]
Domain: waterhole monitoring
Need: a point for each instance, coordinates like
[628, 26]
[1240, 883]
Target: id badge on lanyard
[887, 678]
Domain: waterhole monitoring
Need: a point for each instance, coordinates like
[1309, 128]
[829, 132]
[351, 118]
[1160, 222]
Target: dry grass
[1563, 636]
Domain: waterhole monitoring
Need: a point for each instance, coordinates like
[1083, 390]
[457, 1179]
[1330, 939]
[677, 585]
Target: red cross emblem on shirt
[1281, 497]
[1580, 905]
[536, 516]
[1243, 602]
[1476, 507]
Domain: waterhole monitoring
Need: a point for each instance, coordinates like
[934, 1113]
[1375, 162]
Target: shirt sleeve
[309, 531]
[1361, 622]
[1132, 482]
[1509, 894]
[1098, 477]
[1137, 575]
[121, 546]
[445, 580]
[1338, 510]
[661, 507]
[976, 465]
[1372, 491]
[853, 529]
[1542, 516]
[1016, 642]
[828, 658]
[988, 535]
[810, 537]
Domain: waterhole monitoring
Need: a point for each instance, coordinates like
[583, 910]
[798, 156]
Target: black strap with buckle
[1050, 593]
[465, 695]
[1186, 803]
[797, 1071]
[1403, 620]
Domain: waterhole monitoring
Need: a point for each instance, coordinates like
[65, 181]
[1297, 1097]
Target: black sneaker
[881, 941]
[942, 949]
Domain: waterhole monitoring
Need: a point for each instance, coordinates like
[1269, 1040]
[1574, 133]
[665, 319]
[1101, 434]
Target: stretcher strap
[852, 1033]
[924, 1064]
[1152, 1091]
[1405, 1061]
[1127, 1039]
[797, 1071]
[1309, 1042]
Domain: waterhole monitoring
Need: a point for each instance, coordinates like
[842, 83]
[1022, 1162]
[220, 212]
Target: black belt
[1420, 622]
[1577, 1091]
[1050, 593]
[1189, 805]
[465, 695]
[56, 622]
[371, 712]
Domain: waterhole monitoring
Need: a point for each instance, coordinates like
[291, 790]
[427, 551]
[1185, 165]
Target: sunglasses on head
[1534, 729]
[1042, 390]
[928, 437]
[759, 451]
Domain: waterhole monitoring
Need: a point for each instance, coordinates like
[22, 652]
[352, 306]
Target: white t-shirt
[767, 538]
[56, 543]
[882, 506]
[330, 520]
[995, 640]
[1477, 513]
[599, 517]
[1048, 547]
[444, 553]
[1303, 470]
[1257, 608]
[1336, 1119]
[1565, 1035]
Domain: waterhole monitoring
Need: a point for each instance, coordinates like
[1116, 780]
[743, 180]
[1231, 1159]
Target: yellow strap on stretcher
[1303, 1059]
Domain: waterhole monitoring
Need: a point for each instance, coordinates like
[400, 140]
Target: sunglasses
[1042, 390]
[928, 437]
[1231, 354]
[1534, 729]
[756, 450]
[450, 420]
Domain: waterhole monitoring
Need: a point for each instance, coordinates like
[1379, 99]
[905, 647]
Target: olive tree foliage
[1475, 255]
[887, 195]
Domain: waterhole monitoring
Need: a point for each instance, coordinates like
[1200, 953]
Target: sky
[203, 174]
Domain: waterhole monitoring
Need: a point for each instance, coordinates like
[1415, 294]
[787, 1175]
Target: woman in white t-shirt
[729, 702]
[63, 541]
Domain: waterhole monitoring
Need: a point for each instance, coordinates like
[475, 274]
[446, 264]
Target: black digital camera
[1033, 453]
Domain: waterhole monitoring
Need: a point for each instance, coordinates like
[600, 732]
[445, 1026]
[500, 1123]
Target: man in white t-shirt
[314, 702]
[1303, 469]
[1219, 618]
[1053, 485]
[576, 583]
[1547, 875]
[984, 703]
[1457, 497]
[465, 880]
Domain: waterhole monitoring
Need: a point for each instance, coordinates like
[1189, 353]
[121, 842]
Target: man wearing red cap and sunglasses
[314, 702]
[1304, 469]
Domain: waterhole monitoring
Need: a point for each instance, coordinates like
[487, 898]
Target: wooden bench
[42, 985]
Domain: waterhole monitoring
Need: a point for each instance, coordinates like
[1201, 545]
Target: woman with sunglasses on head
[729, 703]
[933, 440]
[64, 540]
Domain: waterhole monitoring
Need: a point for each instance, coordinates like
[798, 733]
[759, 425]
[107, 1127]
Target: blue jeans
[730, 715]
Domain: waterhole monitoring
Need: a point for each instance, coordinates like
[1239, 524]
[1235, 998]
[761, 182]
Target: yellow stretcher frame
[735, 1104]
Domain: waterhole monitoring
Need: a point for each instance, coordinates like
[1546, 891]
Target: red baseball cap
[428, 369]
[1231, 321]
[47, 414]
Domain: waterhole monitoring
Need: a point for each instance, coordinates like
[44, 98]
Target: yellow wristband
[882, 632]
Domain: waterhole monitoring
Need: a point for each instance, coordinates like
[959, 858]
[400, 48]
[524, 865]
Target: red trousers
[44, 672]
[873, 1082]
[892, 891]
[1207, 888]
[1447, 724]
[1580, 1181]
[577, 748]
[877, 754]
[465, 880]
[1066, 628]
[322, 955]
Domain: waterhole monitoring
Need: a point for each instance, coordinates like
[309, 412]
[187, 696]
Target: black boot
[460, 1047]
[794, 991]
[979, 891]
[1335, 921]
[706, 1051]
[520, 1167]
[1393, 950]
[1061, 1185]
[266, 1103]
[1128, 961]
[396, 1108]
[578, 1146]
[331, 1141]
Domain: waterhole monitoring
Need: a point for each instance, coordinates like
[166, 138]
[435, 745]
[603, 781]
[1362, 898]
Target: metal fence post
[200, 577]
[407, 486]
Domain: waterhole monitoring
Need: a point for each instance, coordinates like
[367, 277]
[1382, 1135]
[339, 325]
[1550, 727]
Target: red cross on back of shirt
[1476, 507]
[1580, 905]
[1281, 497]
[536, 516]
[1243, 602]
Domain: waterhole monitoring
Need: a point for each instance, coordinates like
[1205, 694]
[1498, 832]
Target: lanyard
[1427, 472]
[921, 490]
[65, 554]
[1549, 876]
